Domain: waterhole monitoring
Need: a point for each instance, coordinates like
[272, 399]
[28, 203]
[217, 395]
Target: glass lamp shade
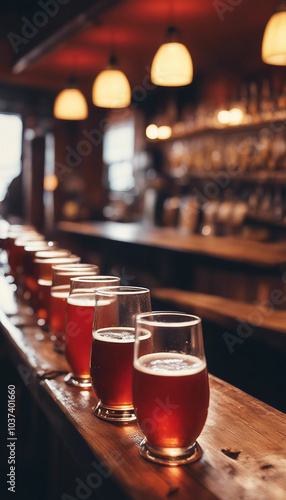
[111, 89]
[274, 40]
[70, 104]
[172, 65]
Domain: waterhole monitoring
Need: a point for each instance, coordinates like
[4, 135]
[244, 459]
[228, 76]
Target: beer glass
[170, 386]
[60, 288]
[44, 262]
[30, 250]
[112, 349]
[40, 271]
[17, 252]
[14, 232]
[79, 321]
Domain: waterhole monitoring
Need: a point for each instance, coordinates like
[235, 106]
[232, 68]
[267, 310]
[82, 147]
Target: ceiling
[218, 35]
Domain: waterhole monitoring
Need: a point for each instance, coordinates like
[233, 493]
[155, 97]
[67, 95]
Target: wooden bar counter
[157, 257]
[267, 255]
[243, 442]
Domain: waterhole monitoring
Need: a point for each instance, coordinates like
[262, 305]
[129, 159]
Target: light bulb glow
[235, 116]
[274, 40]
[70, 104]
[223, 116]
[152, 131]
[111, 89]
[164, 132]
[172, 65]
[51, 182]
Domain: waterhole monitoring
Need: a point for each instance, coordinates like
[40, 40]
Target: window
[120, 176]
[118, 152]
[10, 150]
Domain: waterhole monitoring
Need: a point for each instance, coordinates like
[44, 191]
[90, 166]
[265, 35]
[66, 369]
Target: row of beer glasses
[44, 262]
[60, 288]
[142, 365]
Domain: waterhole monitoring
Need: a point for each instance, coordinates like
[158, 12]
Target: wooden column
[33, 177]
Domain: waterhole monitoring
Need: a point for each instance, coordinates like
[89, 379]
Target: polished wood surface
[267, 255]
[244, 440]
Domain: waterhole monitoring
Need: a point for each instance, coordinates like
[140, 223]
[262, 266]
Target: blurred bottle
[281, 100]
[266, 102]
[189, 215]
[253, 102]
[171, 208]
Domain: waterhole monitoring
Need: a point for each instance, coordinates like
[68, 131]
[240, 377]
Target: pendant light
[172, 65]
[71, 104]
[111, 88]
[274, 38]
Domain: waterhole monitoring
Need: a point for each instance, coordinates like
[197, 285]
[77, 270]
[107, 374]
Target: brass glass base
[170, 457]
[114, 415]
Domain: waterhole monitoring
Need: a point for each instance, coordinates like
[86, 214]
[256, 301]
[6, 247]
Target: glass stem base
[114, 415]
[158, 456]
[83, 383]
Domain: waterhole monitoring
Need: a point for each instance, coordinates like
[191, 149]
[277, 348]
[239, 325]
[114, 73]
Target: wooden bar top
[243, 441]
[267, 255]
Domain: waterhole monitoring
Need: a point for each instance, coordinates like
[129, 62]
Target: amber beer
[29, 267]
[170, 397]
[62, 275]
[17, 251]
[78, 333]
[111, 366]
[78, 329]
[44, 297]
[58, 308]
[113, 347]
[44, 262]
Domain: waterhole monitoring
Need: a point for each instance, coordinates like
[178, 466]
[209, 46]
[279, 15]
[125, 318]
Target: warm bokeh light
[235, 116]
[223, 116]
[111, 89]
[206, 230]
[51, 182]
[70, 104]
[172, 65]
[164, 132]
[152, 131]
[274, 40]
[70, 209]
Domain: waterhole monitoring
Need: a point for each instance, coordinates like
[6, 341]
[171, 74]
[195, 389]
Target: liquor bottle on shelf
[277, 207]
[278, 151]
[281, 101]
[243, 103]
[266, 102]
[253, 102]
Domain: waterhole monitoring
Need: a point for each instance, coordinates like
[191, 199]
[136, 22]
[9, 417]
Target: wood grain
[236, 422]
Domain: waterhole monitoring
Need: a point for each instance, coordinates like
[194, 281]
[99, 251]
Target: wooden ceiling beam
[61, 29]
